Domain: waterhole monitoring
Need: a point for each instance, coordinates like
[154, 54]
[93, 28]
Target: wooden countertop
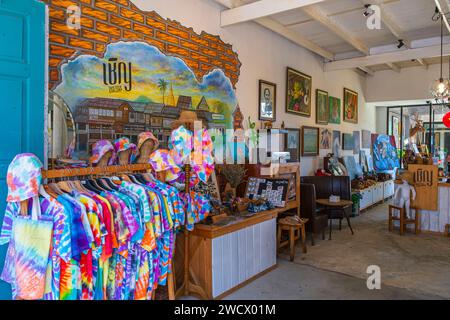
[214, 231]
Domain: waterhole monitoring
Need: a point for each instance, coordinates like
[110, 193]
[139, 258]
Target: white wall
[409, 84]
[265, 55]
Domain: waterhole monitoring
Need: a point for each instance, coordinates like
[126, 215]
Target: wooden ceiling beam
[261, 9]
[287, 33]
[320, 16]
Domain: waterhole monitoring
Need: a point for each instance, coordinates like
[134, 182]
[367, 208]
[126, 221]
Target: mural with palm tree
[162, 86]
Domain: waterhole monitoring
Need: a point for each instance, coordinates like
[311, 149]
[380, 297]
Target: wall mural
[124, 71]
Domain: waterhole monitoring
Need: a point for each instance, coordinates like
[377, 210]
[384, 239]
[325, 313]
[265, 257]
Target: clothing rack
[79, 172]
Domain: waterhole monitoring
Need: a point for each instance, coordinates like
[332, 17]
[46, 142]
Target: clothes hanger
[110, 183]
[43, 192]
[65, 186]
[125, 178]
[55, 188]
[50, 191]
[140, 178]
[91, 186]
[103, 185]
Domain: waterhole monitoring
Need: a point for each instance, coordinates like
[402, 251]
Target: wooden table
[340, 205]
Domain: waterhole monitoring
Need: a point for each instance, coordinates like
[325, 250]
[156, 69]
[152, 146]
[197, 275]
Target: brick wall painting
[125, 71]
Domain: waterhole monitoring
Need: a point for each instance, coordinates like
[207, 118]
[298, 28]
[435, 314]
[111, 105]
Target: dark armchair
[318, 220]
[323, 188]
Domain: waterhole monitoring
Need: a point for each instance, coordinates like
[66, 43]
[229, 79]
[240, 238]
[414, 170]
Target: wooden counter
[214, 231]
[224, 258]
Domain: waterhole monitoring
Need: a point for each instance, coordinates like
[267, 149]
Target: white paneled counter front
[223, 258]
[435, 221]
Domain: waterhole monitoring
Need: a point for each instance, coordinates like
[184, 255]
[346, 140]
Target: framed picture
[347, 141]
[336, 146]
[325, 139]
[334, 115]
[310, 141]
[366, 139]
[298, 93]
[292, 144]
[396, 129]
[350, 106]
[321, 107]
[267, 100]
[356, 142]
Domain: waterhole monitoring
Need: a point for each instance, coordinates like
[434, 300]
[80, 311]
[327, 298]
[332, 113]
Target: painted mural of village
[128, 92]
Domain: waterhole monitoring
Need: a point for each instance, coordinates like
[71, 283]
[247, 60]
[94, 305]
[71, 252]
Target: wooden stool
[403, 220]
[295, 228]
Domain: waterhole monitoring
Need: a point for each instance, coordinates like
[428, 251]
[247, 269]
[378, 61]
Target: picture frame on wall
[395, 120]
[310, 141]
[334, 114]
[292, 144]
[267, 101]
[298, 93]
[350, 106]
[322, 109]
[366, 139]
[347, 141]
[325, 139]
[336, 143]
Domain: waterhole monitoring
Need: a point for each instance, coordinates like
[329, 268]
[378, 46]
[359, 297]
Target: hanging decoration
[446, 119]
[440, 87]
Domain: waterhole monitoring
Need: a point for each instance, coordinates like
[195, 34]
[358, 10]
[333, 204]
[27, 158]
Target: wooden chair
[295, 229]
[403, 220]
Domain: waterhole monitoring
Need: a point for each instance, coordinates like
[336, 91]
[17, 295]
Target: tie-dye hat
[144, 136]
[161, 160]
[123, 144]
[24, 177]
[180, 145]
[100, 148]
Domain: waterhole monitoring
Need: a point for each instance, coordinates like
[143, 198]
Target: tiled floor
[412, 267]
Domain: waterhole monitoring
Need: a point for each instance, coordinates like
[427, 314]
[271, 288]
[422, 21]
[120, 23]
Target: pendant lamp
[440, 87]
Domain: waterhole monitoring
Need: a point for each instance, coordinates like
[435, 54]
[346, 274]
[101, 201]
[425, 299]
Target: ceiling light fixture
[368, 10]
[400, 43]
[439, 88]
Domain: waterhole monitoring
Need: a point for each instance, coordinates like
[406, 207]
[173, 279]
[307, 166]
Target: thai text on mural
[117, 75]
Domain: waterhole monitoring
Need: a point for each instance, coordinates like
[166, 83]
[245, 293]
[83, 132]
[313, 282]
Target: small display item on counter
[384, 177]
[260, 206]
[275, 190]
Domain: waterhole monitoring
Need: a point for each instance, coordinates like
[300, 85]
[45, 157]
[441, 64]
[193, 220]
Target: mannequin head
[124, 157]
[103, 162]
[145, 151]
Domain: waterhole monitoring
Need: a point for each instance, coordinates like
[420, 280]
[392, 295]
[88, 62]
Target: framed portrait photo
[292, 144]
[321, 107]
[267, 101]
[298, 93]
[310, 141]
[350, 106]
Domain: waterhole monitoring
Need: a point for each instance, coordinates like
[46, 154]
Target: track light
[368, 10]
[400, 43]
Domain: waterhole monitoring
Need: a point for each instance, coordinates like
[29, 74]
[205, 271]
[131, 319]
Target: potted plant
[356, 199]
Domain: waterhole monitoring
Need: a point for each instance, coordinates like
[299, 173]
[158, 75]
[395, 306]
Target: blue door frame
[22, 90]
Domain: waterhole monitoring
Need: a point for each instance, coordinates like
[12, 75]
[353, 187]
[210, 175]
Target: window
[119, 114]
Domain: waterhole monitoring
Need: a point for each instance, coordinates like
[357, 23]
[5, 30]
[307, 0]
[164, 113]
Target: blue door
[22, 90]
